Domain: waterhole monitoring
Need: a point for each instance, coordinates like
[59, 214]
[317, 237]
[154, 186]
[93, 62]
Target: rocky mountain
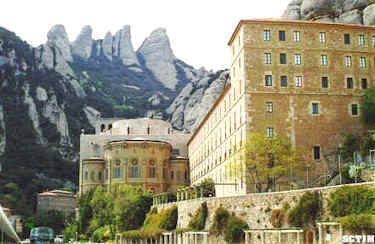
[341, 11]
[50, 92]
[196, 99]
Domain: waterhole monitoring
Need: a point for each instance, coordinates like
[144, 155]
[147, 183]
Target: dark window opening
[324, 82]
[268, 80]
[349, 83]
[347, 39]
[282, 35]
[364, 83]
[316, 152]
[282, 58]
[355, 109]
[284, 81]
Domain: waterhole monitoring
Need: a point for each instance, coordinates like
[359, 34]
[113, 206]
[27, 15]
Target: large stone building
[145, 152]
[300, 79]
[63, 201]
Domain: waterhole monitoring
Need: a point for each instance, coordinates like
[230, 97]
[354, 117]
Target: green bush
[220, 220]
[235, 229]
[100, 234]
[198, 221]
[358, 223]
[351, 200]
[169, 219]
[306, 211]
[230, 226]
[70, 232]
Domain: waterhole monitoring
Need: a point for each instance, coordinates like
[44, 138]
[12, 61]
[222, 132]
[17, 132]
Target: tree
[266, 159]
[368, 106]
[208, 187]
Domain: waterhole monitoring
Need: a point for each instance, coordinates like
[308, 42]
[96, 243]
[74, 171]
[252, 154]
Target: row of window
[323, 60]
[134, 173]
[315, 108]
[268, 81]
[322, 37]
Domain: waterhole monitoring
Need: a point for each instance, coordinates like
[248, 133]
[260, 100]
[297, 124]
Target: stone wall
[255, 208]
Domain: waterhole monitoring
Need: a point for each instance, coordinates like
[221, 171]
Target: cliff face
[341, 11]
[48, 94]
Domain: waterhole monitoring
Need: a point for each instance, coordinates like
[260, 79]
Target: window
[362, 62]
[355, 109]
[348, 61]
[270, 132]
[325, 82]
[267, 58]
[179, 176]
[92, 176]
[152, 172]
[297, 59]
[267, 35]
[364, 83]
[349, 83]
[282, 35]
[373, 41]
[172, 175]
[268, 80]
[299, 82]
[297, 36]
[100, 176]
[86, 175]
[282, 58]
[322, 37]
[347, 39]
[134, 169]
[316, 152]
[315, 108]
[324, 60]
[117, 172]
[361, 40]
[269, 107]
[283, 81]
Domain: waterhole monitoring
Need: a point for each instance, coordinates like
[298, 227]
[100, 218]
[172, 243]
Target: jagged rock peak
[82, 46]
[158, 41]
[107, 45]
[158, 57]
[123, 47]
[341, 11]
[57, 37]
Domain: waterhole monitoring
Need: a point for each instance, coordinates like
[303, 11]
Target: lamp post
[340, 149]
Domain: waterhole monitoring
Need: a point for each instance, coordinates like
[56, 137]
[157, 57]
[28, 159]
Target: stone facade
[256, 209]
[145, 152]
[299, 79]
[57, 200]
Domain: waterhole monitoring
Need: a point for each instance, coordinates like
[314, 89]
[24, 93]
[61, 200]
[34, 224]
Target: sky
[199, 30]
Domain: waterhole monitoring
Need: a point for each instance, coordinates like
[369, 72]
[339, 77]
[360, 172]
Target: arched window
[92, 176]
[148, 130]
[100, 176]
[135, 169]
[152, 169]
[109, 126]
[86, 175]
[128, 130]
[102, 128]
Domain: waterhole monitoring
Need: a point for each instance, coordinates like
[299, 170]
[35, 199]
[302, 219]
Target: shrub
[277, 217]
[358, 223]
[235, 229]
[198, 221]
[306, 211]
[101, 234]
[169, 219]
[351, 200]
[220, 220]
